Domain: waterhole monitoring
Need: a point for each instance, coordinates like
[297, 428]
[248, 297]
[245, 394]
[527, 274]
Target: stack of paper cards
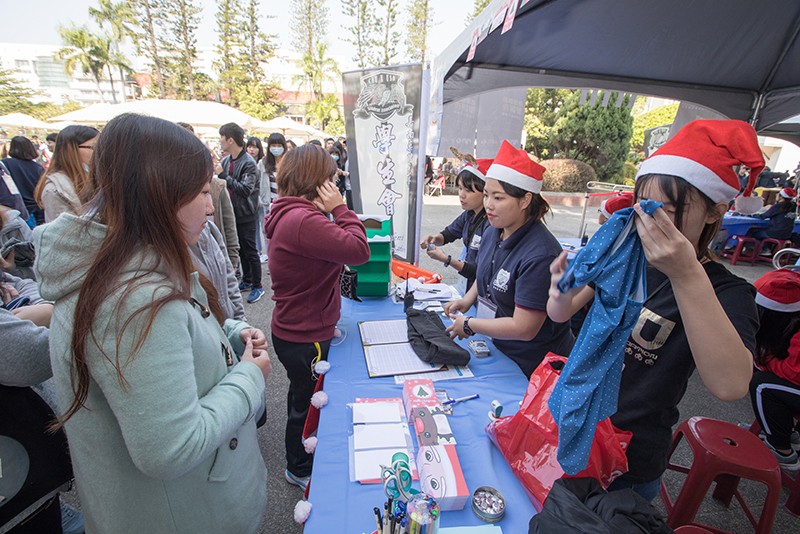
[379, 431]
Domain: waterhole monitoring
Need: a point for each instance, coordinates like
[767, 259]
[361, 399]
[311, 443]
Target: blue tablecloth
[740, 224]
[343, 506]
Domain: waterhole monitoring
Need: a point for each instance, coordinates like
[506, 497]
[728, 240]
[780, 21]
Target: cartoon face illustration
[435, 471]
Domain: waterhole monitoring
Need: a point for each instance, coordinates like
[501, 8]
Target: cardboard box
[431, 427]
[440, 476]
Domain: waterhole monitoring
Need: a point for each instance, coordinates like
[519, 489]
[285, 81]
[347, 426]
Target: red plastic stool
[737, 253]
[790, 481]
[725, 453]
[772, 245]
[691, 529]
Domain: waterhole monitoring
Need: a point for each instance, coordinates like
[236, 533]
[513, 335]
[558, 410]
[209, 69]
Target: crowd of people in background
[127, 254]
[125, 257]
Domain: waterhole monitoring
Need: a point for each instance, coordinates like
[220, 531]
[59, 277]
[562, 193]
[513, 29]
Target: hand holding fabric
[665, 247]
[457, 328]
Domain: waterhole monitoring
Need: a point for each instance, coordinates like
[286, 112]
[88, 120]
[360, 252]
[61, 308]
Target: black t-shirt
[658, 364]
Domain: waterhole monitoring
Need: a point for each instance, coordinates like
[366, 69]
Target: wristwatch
[448, 260]
[467, 330]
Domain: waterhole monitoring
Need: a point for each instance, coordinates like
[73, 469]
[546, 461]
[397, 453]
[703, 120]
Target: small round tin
[488, 504]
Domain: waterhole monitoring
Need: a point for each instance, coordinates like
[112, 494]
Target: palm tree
[119, 18]
[316, 70]
[82, 50]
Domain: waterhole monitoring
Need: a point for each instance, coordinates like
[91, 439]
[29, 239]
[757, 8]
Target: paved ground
[437, 213]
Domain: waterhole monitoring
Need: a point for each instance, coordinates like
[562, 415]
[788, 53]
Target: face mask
[335, 157]
[276, 150]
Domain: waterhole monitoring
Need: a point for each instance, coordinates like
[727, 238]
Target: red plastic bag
[528, 439]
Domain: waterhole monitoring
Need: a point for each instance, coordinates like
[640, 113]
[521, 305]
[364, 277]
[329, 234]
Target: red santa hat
[779, 290]
[616, 203]
[514, 166]
[788, 192]
[479, 168]
[704, 153]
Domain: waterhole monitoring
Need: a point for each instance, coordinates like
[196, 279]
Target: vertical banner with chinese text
[382, 109]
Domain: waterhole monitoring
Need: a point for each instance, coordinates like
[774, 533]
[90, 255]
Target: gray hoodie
[15, 227]
[210, 258]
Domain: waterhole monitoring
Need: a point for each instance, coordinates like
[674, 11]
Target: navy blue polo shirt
[516, 272]
[470, 227]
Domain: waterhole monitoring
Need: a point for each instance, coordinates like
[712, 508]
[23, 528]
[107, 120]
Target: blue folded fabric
[588, 388]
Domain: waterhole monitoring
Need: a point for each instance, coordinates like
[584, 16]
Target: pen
[378, 520]
[460, 399]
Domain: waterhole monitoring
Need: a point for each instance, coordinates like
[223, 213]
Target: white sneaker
[300, 482]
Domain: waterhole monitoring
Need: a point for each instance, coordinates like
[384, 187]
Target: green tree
[597, 135]
[542, 108]
[309, 25]
[120, 18]
[258, 47]
[419, 22]
[179, 42]
[655, 117]
[479, 6]
[256, 99]
[230, 31]
[84, 51]
[317, 69]
[149, 15]
[387, 44]
[14, 97]
[362, 34]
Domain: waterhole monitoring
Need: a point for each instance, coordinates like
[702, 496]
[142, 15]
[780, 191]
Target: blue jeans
[648, 490]
[261, 238]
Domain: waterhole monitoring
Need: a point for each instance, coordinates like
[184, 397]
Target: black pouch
[348, 283]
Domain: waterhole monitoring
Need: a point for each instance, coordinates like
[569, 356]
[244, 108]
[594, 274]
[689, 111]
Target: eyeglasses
[90, 147]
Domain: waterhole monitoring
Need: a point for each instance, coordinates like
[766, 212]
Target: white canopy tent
[200, 114]
[20, 120]
[291, 128]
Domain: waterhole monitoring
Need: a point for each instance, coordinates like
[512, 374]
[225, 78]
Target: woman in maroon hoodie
[307, 252]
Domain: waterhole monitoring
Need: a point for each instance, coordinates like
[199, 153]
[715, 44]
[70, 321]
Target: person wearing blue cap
[695, 313]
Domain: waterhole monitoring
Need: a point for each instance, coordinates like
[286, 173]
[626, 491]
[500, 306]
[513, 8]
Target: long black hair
[775, 333]
[274, 139]
[256, 142]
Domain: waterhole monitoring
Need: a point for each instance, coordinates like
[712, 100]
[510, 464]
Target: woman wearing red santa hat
[512, 279]
[696, 314]
[469, 226]
[610, 205]
[780, 216]
[775, 388]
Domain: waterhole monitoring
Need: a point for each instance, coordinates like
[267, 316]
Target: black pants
[248, 253]
[46, 519]
[775, 402]
[296, 358]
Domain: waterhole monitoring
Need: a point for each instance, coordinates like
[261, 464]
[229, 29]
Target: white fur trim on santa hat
[514, 177]
[301, 511]
[473, 170]
[748, 205]
[603, 209]
[310, 444]
[319, 399]
[775, 305]
[700, 176]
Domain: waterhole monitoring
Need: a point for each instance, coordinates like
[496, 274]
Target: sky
[39, 25]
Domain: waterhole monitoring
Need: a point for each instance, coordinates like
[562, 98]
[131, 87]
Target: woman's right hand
[328, 197]
[455, 306]
[428, 239]
[260, 357]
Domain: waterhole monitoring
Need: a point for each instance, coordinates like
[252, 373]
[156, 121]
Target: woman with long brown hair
[159, 404]
[66, 180]
[307, 253]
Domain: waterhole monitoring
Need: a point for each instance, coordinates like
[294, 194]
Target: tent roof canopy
[738, 57]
